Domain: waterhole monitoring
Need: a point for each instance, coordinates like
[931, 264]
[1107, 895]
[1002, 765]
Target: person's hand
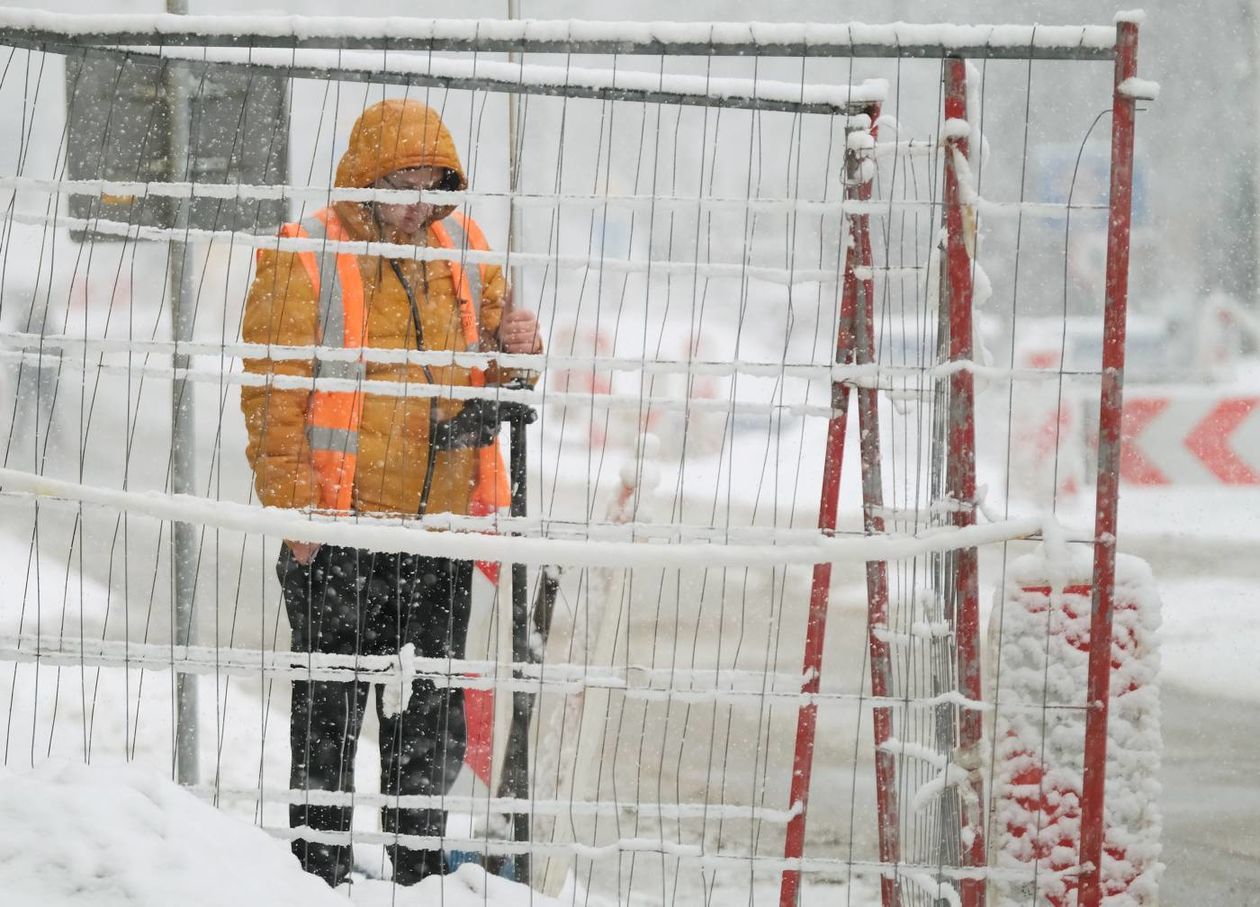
[303, 552]
[518, 332]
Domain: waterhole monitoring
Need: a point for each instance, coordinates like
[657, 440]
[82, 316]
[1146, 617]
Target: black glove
[476, 425]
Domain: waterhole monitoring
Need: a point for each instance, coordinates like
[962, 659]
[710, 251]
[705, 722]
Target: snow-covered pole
[514, 227]
[854, 344]
[960, 453]
[183, 535]
[514, 177]
[1109, 441]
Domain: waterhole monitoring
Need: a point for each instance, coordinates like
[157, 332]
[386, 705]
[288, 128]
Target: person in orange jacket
[331, 447]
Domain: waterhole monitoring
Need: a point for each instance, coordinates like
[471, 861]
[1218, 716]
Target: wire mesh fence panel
[623, 616]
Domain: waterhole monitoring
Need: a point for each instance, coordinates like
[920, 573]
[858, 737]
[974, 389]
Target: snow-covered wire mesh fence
[685, 208]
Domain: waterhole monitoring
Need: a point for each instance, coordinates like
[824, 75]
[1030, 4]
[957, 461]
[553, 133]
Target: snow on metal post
[860, 168]
[847, 352]
[183, 535]
[815, 633]
[961, 458]
[515, 274]
[1109, 442]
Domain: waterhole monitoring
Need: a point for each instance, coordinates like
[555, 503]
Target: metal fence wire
[725, 659]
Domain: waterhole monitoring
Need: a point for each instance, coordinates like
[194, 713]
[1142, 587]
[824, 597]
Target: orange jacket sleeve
[281, 309]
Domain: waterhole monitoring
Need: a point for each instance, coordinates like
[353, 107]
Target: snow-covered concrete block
[1041, 630]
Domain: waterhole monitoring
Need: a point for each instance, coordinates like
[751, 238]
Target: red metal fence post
[873, 523]
[961, 460]
[815, 630]
[1109, 425]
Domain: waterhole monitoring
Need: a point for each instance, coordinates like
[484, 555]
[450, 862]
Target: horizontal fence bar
[33, 27]
[326, 529]
[866, 375]
[693, 854]
[560, 530]
[609, 401]
[469, 197]
[597, 530]
[638, 682]
[661, 268]
[104, 346]
[630, 402]
[822, 208]
[501, 805]
[478, 74]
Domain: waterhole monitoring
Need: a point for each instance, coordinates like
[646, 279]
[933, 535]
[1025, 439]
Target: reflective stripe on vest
[491, 491]
[332, 421]
[332, 417]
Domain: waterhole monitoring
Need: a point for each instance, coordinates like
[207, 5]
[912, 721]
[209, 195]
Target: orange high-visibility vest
[491, 490]
[332, 418]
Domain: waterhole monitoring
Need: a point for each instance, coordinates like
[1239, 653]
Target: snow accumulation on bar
[280, 523]
[52, 346]
[619, 84]
[535, 35]
[49, 350]
[471, 804]
[787, 276]
[821, 207]
[1138, 89]
[625, 402]
[634, 681]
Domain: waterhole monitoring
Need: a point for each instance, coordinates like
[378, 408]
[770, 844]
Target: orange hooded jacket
[281, 309]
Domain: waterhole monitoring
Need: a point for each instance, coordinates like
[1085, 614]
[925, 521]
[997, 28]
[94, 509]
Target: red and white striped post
[960, 473]
[1109, 449]
[853, 343]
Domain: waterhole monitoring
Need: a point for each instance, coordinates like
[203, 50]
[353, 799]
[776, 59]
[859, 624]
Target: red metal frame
[1109, 426]
[960, 471]
[854, 344]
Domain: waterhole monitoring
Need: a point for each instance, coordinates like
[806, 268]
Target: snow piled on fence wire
[116, 836]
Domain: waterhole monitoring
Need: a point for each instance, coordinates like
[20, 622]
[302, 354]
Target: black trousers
[346, 602]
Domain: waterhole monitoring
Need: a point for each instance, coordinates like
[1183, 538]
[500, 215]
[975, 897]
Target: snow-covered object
[1138, 89]
[573, 81]
[391, 535]
[468, 886]
[1041, 628]
[116, 836]
[74, 835]
[396, 696]
[315, 31]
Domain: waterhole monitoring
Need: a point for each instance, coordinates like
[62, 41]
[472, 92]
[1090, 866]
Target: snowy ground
[74, 835]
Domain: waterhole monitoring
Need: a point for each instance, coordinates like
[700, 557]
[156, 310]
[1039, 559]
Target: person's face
[409, 218]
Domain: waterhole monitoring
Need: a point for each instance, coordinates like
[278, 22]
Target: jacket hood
[396, 135]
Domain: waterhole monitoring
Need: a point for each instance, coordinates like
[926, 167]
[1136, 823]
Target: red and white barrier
[1041, 632]
[1201, 439]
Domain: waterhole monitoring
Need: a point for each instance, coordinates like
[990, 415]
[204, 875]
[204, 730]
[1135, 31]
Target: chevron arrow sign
[1191, 441]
